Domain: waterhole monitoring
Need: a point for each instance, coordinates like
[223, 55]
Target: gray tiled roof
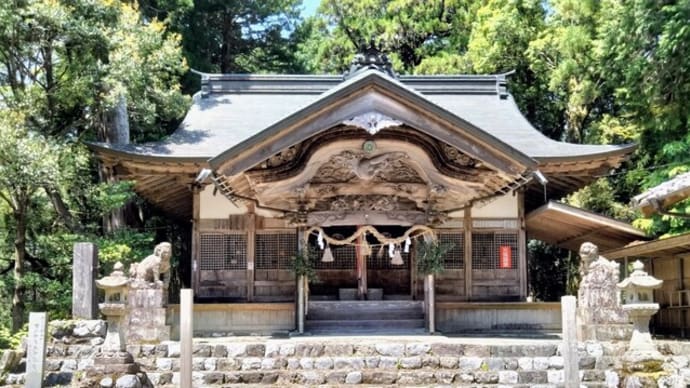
[232, 108]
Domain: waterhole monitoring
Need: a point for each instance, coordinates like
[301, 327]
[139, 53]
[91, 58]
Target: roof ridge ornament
[370, 56]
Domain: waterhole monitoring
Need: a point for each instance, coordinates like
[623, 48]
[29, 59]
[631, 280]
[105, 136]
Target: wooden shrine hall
[361, 168]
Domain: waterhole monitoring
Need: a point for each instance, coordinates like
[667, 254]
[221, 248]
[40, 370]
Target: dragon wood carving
[349, 165]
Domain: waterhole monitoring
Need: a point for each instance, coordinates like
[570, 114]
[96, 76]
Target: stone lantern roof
[640, 279]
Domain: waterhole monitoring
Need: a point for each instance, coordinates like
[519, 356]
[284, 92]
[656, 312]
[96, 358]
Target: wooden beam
[467, 228]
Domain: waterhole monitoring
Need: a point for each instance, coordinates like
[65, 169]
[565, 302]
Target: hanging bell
[327, 255]
[397, 258]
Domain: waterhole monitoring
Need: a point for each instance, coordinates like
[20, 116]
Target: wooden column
[300, 284]
[522, 245]
[251, 245]
[413, 270]
[196, 238]
[432, 303]
[467, 228]
[361, 263]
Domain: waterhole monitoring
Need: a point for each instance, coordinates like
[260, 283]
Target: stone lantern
[114, 307]
[639, 304]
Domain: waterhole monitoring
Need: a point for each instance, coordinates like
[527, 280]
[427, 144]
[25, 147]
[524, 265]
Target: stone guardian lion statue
[154, 266]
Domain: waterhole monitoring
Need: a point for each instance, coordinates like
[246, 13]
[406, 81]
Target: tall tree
[647, 55]
[238, 36]
[64, 65]
[410, 30]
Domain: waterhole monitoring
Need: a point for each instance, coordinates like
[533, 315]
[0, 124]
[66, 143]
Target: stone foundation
[382, 361]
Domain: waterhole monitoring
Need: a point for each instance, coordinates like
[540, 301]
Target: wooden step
[364, 310]
[369, 325]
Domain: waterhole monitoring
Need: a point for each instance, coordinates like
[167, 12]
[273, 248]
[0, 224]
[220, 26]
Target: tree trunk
[115, 131]
[20, 255]
[61, 209]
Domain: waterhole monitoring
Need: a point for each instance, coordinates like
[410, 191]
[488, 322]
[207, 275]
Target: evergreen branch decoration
[302, 263]
[430, 255]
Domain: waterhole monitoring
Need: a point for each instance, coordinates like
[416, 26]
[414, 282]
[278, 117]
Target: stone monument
[148, 297]
[599, 313]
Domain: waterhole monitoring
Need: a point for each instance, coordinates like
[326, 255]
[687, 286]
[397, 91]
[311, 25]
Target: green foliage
[11, 341]
[551, 271]
[430, 256]
[302, 263]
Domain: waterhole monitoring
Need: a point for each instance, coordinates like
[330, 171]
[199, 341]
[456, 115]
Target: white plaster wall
[217, 206]
[505, 206]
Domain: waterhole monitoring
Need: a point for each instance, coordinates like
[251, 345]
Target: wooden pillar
[522, 245]
[467, 228]
[432, 303]
[361, 263]
[300, 283]
[251, 245]
[413, 270]
[196, 238]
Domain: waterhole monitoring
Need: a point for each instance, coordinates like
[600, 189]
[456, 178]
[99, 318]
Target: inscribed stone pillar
[36, 349]
[84, 272]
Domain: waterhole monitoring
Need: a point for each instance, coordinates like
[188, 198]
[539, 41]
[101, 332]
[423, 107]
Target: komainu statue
[154, 266]
[600, 315]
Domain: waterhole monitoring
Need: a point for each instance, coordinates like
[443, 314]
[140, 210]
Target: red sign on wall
[505, 258]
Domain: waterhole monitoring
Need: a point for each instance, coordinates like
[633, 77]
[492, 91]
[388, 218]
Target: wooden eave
[568, 227]
[567, 175]
[372, 91]
[165, 182]
[663, 248]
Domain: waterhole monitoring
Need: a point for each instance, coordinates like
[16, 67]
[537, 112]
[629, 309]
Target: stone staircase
[365, 317]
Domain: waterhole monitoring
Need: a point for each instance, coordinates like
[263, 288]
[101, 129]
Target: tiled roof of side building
[232, 108]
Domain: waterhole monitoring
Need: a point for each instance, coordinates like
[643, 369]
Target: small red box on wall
[505, 257]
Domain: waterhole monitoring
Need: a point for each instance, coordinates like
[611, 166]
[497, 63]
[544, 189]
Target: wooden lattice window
[223, 251]
[455, 257]
[343, 255]
[486, 247]
[275, 250]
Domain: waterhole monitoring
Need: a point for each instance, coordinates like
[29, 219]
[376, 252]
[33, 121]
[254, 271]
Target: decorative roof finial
[370, 56]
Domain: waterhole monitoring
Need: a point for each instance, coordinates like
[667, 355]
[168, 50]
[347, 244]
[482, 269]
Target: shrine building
[362, 168]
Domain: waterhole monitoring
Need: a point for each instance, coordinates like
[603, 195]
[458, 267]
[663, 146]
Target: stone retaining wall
[380, 361]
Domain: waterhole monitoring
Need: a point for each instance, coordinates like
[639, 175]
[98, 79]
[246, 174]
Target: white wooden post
[186, 336]
[570, 359]
[36, 350]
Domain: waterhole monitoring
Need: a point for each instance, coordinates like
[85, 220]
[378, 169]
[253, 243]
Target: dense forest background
[586, 71]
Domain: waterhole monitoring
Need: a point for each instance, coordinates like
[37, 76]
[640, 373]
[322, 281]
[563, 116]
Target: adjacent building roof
[668, 247]
[568, 227]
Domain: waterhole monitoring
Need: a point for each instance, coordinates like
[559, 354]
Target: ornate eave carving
[373, 122]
